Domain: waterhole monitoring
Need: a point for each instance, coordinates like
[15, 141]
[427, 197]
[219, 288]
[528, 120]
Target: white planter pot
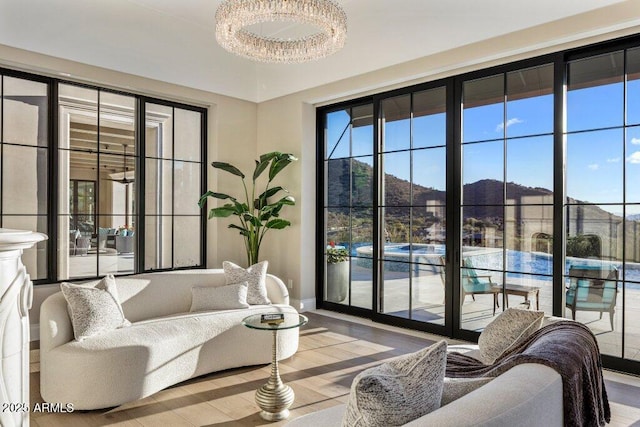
[337, 284]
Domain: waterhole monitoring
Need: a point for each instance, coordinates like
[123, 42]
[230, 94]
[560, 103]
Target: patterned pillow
[219, 297]
[399, 390]
[94, 309]
[506, 330]
[255, 276]
[455, 388]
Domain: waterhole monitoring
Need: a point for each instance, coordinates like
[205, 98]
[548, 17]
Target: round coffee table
[274, 398]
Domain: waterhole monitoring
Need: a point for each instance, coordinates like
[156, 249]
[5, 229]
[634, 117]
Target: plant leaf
[272, 191]
[222, 212]
[278, 224]
[268, 156]
[203, 198]
[281, 162]
[260, 167]
[228, 168]
[243, 230]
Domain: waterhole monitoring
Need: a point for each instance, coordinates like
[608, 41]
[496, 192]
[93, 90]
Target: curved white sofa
[527, 395]
[164, 345]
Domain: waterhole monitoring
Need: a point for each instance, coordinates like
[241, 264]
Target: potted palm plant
[256, 209]
[337, 273]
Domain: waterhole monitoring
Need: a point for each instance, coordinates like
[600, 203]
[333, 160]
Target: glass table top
[291, 320]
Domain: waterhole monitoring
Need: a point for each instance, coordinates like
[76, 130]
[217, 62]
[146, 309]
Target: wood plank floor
[333, 349]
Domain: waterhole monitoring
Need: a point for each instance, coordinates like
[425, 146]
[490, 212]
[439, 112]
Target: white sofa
[164, 345]
[527, 395]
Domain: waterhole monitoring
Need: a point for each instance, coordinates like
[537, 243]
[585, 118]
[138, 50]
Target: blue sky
[594, 158]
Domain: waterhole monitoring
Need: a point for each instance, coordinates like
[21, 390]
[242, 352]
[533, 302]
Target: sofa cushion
[455, 388]
[255, 276]
[506, 330]
[219, 297]
[399, 390]
[94, 309]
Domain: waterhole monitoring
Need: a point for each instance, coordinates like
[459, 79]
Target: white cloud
[510, 122]
[634, 158]
[614, 160]
[594, 166]
[635, 141]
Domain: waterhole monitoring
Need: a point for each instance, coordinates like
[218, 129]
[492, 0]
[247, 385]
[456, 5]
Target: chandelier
[234, 16]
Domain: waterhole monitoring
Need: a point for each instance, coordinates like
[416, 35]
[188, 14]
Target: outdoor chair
[592, 288]
[474, 284]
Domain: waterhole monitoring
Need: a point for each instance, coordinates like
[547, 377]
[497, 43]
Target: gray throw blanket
[568, 347]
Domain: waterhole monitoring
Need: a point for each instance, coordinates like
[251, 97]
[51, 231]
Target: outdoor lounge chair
[592, 288]
[474, 284]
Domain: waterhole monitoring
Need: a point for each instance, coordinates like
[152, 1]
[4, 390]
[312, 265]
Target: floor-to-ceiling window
[86, 184]
[603, 198]
[507, 192]
[538, 175]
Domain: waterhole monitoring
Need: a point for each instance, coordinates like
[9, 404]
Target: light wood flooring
[333, 349]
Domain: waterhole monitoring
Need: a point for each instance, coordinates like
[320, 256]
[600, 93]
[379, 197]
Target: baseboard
[34, 332]
[303, 305]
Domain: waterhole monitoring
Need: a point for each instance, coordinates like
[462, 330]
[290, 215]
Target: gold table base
[275, 397]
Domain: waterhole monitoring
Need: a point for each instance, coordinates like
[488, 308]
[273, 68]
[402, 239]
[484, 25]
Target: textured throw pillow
[255, 276]
[94, 309]
[399, 390]
[455, 388]
[506, 330]
[219, 297]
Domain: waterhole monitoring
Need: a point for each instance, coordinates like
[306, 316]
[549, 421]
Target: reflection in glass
[395, 289]
[397, 178]
[362, 130]
[338, 172]
[158, 241]
[631, 310]
[632, 245]
[117, 185]
[362, 181]
[396, 113]
[483, 161]
[483, 109]
[594, 233]
[530, 101]
[530, 164]
[429, 229]
[529, 239]
[429, 118]
[24, 112]
[427, 293]
[429, 174]
[187, 188]
[396, 228]
[595, 92]
[159, 187]
[159, 131]
[24, 180]
[633, 86]
[187, 230]
[337, 134]
[632, 164]
[361, 283]
[594, 165]
[188, 128]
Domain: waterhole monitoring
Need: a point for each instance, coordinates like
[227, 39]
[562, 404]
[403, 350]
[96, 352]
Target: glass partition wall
[535, 168]
[112, 178]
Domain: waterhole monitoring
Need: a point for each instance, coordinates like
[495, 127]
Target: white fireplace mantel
[16, 291]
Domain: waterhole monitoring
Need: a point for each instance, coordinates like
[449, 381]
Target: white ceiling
[173, 40]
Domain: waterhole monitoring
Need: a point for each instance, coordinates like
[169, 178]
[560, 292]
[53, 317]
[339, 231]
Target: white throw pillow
[455, 388]
[226, 297]
[94, 309]
[509, 328]
[255, 276]
[399, 390]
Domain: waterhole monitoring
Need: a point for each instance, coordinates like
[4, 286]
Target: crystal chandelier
[234, 16]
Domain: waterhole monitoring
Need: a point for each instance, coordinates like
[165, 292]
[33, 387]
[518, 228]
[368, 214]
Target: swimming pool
[536, 265]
